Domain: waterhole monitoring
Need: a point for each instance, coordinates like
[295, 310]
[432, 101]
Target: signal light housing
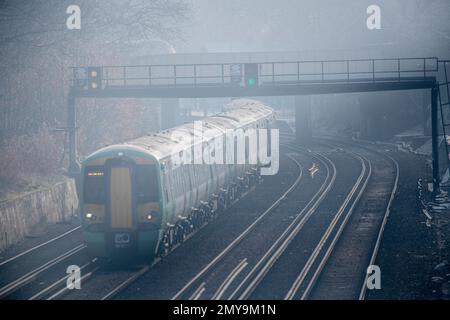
[251, 74]
[94, 78]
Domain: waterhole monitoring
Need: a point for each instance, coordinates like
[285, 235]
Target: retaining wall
[22, 216]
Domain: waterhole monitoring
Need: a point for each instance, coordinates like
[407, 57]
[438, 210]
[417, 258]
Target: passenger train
[135, 200]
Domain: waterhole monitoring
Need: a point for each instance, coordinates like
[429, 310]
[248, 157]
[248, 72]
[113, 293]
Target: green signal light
[251, 81]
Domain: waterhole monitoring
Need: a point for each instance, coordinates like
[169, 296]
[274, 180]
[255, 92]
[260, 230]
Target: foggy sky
[409, 27]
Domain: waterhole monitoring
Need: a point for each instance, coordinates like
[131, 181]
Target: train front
[121, 211]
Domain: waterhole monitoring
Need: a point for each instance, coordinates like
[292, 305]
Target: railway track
[253, 278]
[29, 267]
[208, 283]
[307, 277]
[341, 272]
[36, 275]
[132, 277]
[124, 283]
[240, 271]
[344, 277]
[39, 246]
[239, 281]
[196, 289]
[101, 283]
[260, 282]
[59, 288]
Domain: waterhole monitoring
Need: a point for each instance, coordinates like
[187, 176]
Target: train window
[247, 149]
[190, 177]
[186, 179]
[174, 179]
[146, 183]
[94, 185]
[180, 179]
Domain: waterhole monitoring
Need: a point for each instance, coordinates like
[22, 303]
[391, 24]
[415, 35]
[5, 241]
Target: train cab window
[94, 185]
[146, 184]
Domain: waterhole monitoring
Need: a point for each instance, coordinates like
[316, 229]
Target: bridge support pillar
[74, 166]
[303, 130]
[435, 138]
[425, 123]
[170, 112]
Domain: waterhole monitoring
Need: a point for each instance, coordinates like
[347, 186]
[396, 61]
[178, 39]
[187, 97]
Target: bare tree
[37, 50]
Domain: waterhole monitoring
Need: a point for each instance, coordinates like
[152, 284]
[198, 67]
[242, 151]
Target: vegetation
[36, 53]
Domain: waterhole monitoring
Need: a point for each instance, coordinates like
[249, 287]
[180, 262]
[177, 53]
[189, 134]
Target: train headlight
[90, 216]
[149, 217]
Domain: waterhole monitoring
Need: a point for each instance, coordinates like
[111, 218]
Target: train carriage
[136, 200]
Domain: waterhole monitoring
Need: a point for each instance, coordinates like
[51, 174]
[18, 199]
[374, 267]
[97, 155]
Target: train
[138, 199]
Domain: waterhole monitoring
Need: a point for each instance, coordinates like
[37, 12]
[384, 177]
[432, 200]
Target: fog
[408, 28]
[118, 122]
[38, 49]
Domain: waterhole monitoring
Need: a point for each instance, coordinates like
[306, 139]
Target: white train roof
[237, 114]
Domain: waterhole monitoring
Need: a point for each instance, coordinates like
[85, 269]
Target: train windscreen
[146, 184]
[94, 185]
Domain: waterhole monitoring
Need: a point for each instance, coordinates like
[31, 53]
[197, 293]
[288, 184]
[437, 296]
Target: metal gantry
[267, 73]
[240, 79]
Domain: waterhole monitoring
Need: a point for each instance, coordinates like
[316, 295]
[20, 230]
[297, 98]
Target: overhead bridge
[277, 78]
[255, 79]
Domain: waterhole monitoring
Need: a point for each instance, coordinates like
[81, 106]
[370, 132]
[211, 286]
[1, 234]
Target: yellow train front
[120, 202]
[136, 201]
